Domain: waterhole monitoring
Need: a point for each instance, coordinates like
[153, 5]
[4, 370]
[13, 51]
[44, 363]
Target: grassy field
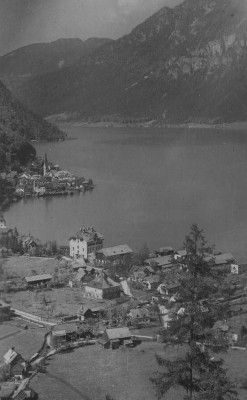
[26, 342]
[92, 372]
[26, 266]
[67, 301]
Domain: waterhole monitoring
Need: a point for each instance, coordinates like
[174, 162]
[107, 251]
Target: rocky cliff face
[182, 64]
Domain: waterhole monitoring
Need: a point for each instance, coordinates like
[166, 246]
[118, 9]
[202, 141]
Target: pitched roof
[67, 327]
[160, 261]
[80, 275]
[115, 250]
[87, 234]
[139, 312]
[118, 333]
[152, 279]
[182, 252]
[37, 278]
[102, 282]
[10, 356]
[163, 249]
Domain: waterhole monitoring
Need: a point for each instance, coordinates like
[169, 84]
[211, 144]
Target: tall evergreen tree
[191, 326]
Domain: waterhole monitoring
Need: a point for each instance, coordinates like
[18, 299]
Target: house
[86, 241]
[102, 287]
[80, 275]
[16, 362]
[164, 251]
[114, 254]
[164, 262]
[30, 244]
[168, 287]
[140, 314]
[6, 390]
[151, 282]
[165, 315]
[5, 232]
[38, 279]
[221, 261]
[87, 313]
[114, 337]
[180, 255]
[238, 269]
[66, 332]
[23, 392]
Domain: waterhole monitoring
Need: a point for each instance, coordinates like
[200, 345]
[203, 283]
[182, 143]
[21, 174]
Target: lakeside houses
[43, 178]
[85, 242]
[164, 251]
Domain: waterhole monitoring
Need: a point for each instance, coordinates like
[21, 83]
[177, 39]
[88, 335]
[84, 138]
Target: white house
[85, 242]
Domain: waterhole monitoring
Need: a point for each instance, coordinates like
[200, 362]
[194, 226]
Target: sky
[24, 22]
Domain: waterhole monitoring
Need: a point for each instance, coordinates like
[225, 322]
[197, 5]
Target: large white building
[85, 242]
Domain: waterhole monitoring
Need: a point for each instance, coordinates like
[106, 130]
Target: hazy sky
[29, 21]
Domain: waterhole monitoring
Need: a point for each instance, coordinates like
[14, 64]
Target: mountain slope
[18, 126]
[41, 58]
[182, 64]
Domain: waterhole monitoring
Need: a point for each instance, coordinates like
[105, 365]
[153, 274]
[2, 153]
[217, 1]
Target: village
[87, 295]
[41, 178]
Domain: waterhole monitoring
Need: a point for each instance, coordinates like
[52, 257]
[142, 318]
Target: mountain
[18, 126]
[41, 58]
[182, 64]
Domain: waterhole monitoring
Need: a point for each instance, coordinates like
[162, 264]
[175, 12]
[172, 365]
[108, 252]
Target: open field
[66, 301]
[92, 372]
[26, 342]
[26, 266]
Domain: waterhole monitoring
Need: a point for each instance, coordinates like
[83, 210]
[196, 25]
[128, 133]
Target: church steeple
[45, 165]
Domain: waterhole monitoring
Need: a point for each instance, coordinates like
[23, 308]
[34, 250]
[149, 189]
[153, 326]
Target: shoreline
[233, 125]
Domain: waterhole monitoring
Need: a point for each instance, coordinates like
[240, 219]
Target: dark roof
[38, 278]
[116, 250]
[160, 261]
[139, 312]
[68, 327]
[164, 249]
[102, 282]
[87, 234]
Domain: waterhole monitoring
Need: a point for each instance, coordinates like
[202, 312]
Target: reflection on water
[151, 185]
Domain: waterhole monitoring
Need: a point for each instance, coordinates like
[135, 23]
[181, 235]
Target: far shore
[153, 124]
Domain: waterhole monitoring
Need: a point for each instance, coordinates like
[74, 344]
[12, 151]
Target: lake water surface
[151, 185]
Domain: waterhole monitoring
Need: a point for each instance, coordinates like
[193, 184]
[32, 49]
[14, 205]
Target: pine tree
[191, 326]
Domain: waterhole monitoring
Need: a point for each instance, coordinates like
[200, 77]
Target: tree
[191, 326]
[142, 255]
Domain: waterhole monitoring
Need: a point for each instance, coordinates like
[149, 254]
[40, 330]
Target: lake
[151, 185]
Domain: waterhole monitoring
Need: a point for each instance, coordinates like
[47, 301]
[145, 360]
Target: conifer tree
[192, 319]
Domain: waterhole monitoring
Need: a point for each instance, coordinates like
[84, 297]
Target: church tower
[45, 165]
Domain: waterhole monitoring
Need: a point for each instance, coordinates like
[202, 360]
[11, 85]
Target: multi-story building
[85, 242]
